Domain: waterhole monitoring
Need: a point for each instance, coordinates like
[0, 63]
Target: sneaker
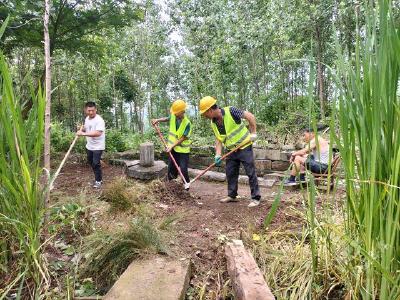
[302, 178]
[289, 182]
[97, 184]
[254, 203]
[229, 199]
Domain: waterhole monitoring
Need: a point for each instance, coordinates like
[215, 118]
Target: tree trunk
[115, 101]
[48, 92]
[320, 75]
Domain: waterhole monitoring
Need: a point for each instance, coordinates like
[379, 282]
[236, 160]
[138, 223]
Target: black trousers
[182, 159]
[246, 158]
[94, 158]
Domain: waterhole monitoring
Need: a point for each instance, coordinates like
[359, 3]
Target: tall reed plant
[22, 270]
[368, 112]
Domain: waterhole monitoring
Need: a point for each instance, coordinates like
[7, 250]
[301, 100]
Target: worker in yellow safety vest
[231, 132]
[179, 142]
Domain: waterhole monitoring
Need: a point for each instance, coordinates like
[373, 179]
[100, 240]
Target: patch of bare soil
[204, 223]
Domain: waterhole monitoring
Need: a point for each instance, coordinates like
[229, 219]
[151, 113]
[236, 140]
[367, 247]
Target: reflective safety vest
[236, 134]
[175, 135]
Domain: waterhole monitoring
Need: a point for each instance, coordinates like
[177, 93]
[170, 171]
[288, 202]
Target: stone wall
[266, 160]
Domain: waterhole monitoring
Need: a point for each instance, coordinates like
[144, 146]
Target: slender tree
[48, 90]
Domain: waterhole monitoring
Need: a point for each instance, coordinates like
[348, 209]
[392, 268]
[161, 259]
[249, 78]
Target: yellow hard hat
[205, 103]
[178, 106]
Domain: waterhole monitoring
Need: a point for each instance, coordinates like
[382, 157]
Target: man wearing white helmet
[180, 130]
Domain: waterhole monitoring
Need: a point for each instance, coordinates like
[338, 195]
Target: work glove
[217, 160]
[253, 137]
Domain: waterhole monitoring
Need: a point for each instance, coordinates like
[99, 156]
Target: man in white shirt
[94, 131]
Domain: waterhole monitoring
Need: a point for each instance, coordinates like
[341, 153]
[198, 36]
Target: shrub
[118, 195]
[61, 137]
[115, 141]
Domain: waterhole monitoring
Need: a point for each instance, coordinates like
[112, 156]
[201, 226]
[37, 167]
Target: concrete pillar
[147, 154]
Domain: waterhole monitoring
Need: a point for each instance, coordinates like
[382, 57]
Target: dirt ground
[203, 224]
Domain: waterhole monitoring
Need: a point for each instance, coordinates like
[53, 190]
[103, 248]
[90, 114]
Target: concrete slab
[221, 177]
[152, 279]
[158, 170]
[247, 280]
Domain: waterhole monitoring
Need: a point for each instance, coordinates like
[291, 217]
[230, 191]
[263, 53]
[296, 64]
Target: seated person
[314, 157]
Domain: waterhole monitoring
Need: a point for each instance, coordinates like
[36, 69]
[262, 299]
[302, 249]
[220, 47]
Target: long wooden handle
[170, 154]
[222, 158]
[64, 160]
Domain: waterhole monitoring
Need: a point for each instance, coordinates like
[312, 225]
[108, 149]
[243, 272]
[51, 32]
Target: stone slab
[152, 279]
[274, 176]
[158, 170]
[247, 280]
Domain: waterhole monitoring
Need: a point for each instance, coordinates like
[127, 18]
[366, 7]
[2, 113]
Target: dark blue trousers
[246, 158]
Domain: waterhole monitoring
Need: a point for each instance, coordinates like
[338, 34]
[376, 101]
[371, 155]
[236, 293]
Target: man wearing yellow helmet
[178, 138]
[231, 132]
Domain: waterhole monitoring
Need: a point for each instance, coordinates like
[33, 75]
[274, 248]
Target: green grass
[359, 253]
[369, 116]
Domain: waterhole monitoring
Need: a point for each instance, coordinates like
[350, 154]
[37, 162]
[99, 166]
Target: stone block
[273, 154]
[152, 279]
[280, 165]
[127, 155]
[147, 154]
[289, 147]
[259, 153]
[247, 280]
[285, 155]
[263, 165]
[117, 162]
[299, 145]
[274, 146]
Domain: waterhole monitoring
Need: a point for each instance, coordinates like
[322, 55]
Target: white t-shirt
[95, 143]
[320, 153]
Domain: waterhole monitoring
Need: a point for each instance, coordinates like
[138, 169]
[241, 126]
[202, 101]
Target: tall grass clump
[109, 254]
[368, 111]
[22, 270]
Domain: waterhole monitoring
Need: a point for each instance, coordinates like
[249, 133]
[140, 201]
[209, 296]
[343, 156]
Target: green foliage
[21, 191]
[72, 25]
[68, 218]
[115, 141]
[61, 137]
